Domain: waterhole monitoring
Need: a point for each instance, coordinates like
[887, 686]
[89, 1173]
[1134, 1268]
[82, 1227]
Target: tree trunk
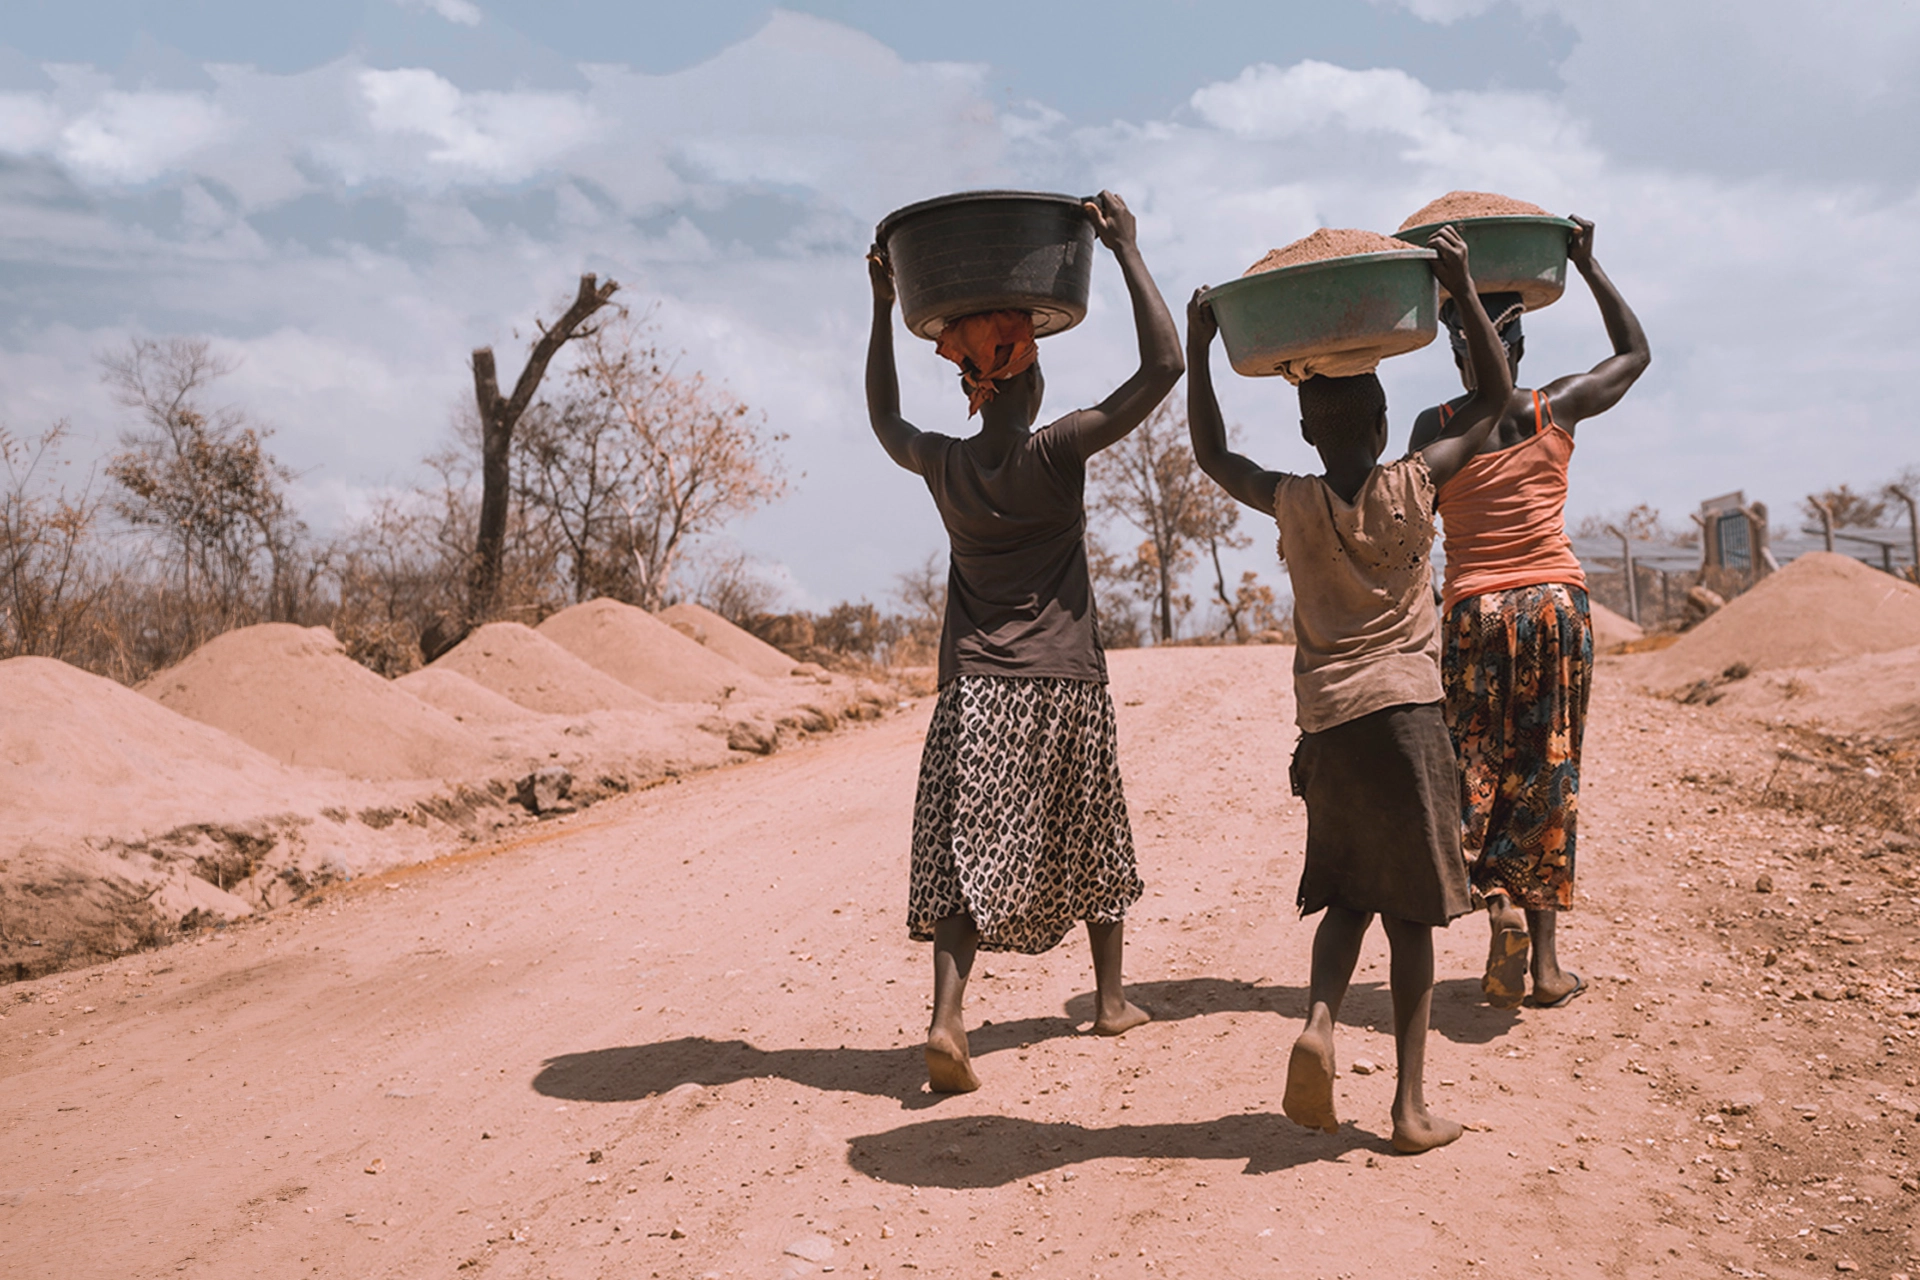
[498, 417]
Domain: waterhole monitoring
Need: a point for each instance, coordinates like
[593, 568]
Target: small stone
[1829, 994]
[545, 790]
[811, 1249]
[1361, 1067]
[1764, 884]
[376, 1166]
[676, 1234]
[595, 1157]
[1845, 1265]
[886, 1233]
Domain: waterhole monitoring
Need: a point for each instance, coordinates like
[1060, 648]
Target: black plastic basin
[990, 251]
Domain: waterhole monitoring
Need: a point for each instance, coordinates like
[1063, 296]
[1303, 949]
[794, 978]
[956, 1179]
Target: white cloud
[487, 136]
[1268, 102]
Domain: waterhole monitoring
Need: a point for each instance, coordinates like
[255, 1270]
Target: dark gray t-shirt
[1019, 598]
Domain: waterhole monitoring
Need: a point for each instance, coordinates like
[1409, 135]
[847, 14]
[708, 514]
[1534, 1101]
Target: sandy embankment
[268, 763]
[678, 1035]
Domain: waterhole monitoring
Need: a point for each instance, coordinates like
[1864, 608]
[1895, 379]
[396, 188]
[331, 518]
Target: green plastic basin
[1526, 255]
[1378, 303]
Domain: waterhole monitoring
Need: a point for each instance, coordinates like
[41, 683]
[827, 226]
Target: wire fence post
[1633, 585]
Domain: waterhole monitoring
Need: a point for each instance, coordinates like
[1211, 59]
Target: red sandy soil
[740, 647]
[646, 654]
[1821, 608]
[461, 698]
[1610, 629]
[295, 694]
[1470, 204]
[1327, 242]
[524, 666]
[677, 1035]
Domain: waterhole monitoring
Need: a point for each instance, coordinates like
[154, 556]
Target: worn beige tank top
[1366, 633]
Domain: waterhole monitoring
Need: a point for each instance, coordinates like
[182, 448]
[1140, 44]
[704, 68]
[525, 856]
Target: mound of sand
[738, 646]
[1877, 693]
[461, 698]
[523, 666]
[84, 754]
[293, 693]
[646, 654]
[1327, 242]
[1821, 609]
[1610, 628]
[1471, 204]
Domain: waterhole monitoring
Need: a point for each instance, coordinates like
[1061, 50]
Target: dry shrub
[1848, 782]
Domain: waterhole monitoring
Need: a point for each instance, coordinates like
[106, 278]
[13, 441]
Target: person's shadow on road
[628, 1073]
[972, 1152]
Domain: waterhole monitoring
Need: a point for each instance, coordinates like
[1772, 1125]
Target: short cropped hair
[1342, 407]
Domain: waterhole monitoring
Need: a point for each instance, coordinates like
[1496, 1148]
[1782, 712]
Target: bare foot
[949, 1068]
[1309, 1097]
[1130, 1016]
[1422, 1131]
[1505, 981]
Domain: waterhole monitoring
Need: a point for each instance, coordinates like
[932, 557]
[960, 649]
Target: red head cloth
[989, 347]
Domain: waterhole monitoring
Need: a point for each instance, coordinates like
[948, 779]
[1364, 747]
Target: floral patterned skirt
[1020, 820]
[1518, 670]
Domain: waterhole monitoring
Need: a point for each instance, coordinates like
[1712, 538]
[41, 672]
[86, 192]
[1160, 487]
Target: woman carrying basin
[1517, 651]
[1020, 824]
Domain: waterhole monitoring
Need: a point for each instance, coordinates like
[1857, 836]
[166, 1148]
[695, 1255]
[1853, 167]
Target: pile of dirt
[738, 646]
[648, 655]
[1327, 242]
[461, 698]
[1610, 630]
[84, 754]
[1471, 204]
[1874, 693]
[526, 667]
[1821, 609]
[293, 693]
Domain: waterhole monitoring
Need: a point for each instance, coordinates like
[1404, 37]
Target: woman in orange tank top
[1517, 652]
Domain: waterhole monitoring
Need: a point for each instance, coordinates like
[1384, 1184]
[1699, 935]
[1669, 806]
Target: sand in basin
[736, 645]
[1327, 242]
[85, 754]
[1610, 628]
[523, 666]
[641, 651]
[461, 698]
[1471, 204]
[1820, 609]
[293, 693]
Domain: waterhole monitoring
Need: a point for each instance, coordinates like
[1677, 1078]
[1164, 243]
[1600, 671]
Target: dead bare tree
[498, 417]
[702, 458]
[200, 480]
[1150, 482]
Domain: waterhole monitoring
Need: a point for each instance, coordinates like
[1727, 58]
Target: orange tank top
[1505, 515]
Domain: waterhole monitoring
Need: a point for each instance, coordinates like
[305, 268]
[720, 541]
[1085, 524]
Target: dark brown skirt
[1383, 817]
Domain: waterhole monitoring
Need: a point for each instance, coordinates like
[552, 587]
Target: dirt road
[676, 1036]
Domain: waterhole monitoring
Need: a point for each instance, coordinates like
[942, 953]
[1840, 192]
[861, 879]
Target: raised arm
[1582, 395]
[1492, 379]
[897, 435]
[1092, 430]
[1240, 476]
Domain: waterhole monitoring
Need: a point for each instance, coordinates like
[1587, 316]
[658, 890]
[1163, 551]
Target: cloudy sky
[349, 197]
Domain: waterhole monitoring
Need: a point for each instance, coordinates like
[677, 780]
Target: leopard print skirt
[1020, 820]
